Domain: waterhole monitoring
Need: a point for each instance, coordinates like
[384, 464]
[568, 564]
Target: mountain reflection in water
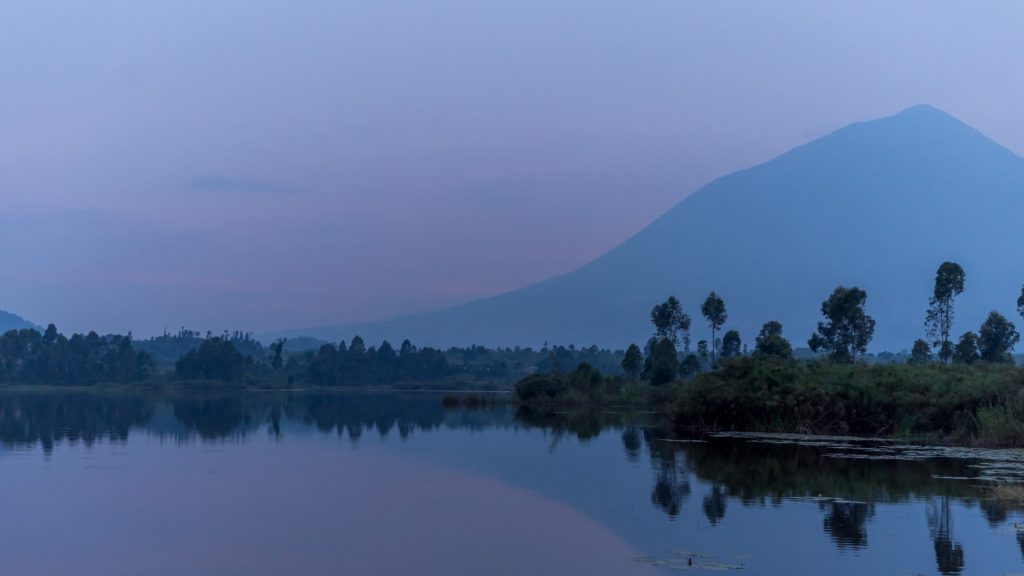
[844, 478]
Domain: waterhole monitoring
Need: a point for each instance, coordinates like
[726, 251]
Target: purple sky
[267, 165]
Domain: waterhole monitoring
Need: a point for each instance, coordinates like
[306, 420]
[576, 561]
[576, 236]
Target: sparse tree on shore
[997, 338]
[714, 312]
[771, 344]
[921, 353]
[670, 321]
[632, 361]
[847, 329]
[949, 283]
[731, 344]
[966, 350]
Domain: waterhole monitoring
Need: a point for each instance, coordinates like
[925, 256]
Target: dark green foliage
[358, 347]
[168, 348]
[670, 321]
[632, 362]
[26, 356]
[997, 338]
[847, 328]
[663, 363]
[583, 385]
[921, 353]
[731, 344]
[276, 354]
[831, 398]
[357, 365]
[689, 367]
[1020, 302]
[215, 359]
[966, 350]
[771, 344]
[949, 283]
[713, 310]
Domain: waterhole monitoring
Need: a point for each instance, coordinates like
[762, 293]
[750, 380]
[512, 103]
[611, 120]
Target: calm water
[271, 483]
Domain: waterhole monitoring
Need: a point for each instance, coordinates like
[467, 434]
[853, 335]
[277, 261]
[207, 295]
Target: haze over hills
[10, 321]
[878, 204]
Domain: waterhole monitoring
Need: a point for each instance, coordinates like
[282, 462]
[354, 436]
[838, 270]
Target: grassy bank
[974, 404]
[982, 404]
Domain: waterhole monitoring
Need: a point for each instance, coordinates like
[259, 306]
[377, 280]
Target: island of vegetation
[967, 391]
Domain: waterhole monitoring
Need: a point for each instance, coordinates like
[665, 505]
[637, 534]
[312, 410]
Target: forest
[236, 358]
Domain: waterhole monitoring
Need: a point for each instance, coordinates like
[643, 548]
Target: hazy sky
[265, 164]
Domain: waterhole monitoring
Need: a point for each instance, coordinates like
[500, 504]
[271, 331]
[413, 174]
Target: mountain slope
[877, 204]
[10, 321]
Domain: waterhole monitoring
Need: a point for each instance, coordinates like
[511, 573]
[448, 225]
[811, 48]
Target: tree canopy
[949, 283]
[847, 329]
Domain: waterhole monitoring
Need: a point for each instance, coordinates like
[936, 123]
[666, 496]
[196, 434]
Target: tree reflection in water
[738, 470]
[949, 555]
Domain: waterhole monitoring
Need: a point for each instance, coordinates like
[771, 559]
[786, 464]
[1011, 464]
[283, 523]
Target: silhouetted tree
[663, 362]
[277, 354]
[714, 312]
[949, 283]
[731, 344]
[632, 362]
[670, 321]
[1020, 302]
[921, 353]
[215, 359]
[358, 347]
[966, 350]
[997, 338]
[771, 344]
[847, 329]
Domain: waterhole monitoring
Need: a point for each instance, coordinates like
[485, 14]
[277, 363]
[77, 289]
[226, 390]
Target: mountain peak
[921, 118]
[922, 110]
[878, 205]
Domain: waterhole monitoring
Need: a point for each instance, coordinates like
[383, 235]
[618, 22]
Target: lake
[396, 483]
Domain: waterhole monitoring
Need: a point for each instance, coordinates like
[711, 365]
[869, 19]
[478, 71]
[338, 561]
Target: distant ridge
[876, 204]
[9, 321]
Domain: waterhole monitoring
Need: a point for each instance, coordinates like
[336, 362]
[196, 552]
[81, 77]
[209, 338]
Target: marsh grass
[1007, 494]
[978, 404]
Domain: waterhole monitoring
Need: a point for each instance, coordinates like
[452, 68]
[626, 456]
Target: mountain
[878, 204]
[10, 321]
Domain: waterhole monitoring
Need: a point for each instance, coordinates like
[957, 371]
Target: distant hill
[877, 204]
[10, 321]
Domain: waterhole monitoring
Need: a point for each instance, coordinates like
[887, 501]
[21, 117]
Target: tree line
[842, 336]
[30, 357]
[26, 356]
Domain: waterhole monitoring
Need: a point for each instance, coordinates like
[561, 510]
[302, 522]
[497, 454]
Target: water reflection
[949, 554]
[729, 472]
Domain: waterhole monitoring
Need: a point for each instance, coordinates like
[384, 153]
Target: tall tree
[731, 344]
[670, 321]
[997, 338]
[632, 361]
[847, 329]
[664, 362]
[277, 354]
[771, 344]
[949, 283]
[714, 312]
